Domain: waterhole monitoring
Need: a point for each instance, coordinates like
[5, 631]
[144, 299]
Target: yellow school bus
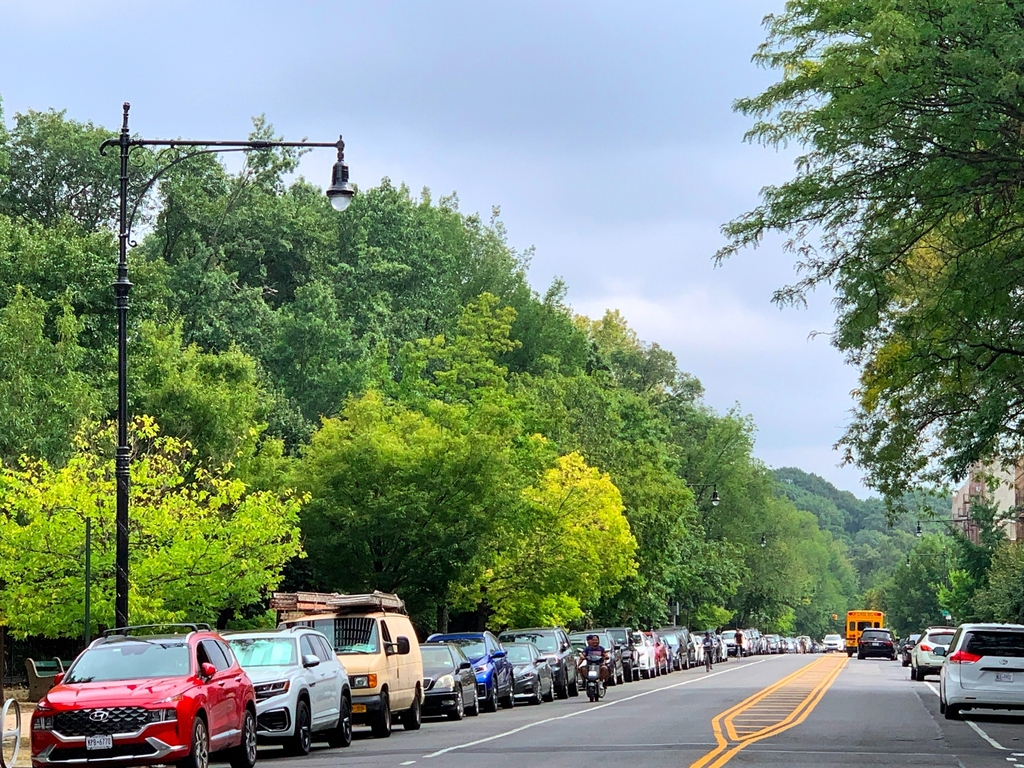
[857, 622]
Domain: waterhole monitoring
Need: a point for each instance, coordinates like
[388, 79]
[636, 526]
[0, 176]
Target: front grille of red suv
[100, 722]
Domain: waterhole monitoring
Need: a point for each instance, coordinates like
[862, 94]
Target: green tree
[199, 548]
[43, 397]
[905, 199]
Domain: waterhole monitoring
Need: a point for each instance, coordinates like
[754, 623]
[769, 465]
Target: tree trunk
[442, 618]
[3, 659]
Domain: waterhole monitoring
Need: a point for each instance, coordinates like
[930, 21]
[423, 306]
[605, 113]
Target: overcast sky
[603, 130]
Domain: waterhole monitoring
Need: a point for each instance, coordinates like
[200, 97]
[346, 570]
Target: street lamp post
[340, 194]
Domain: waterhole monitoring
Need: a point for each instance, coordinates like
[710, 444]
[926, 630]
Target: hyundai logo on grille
[99, 716]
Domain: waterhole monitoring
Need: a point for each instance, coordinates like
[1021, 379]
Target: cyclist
[709, 650]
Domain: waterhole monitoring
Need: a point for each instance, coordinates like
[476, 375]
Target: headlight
[44, 723]
[268, 690]
[445, 681]
[364, 681]
[481, 667]
[164, 715]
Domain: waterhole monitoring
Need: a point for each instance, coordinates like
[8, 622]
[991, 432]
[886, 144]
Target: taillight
[963, 657]
[926, 647]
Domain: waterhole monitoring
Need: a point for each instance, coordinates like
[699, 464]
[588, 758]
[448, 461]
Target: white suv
[923, 658]
[984, 668]
[834, 643]
[301, 687]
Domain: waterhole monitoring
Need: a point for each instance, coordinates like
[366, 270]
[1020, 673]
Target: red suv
[137, 699]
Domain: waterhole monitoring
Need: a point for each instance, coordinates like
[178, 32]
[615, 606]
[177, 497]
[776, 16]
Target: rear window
[940, 638]
[988, 643]
[875, 634]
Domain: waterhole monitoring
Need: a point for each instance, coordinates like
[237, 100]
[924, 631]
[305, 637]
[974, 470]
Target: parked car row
[980, 666]
[179, 694]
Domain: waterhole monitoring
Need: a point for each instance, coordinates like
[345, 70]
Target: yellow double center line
[777, 708]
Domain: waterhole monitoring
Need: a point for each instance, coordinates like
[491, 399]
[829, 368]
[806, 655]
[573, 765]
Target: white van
[375, 640]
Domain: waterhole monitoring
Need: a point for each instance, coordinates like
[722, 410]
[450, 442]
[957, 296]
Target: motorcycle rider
[594, 652]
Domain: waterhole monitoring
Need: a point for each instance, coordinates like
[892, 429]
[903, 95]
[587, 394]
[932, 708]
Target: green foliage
[199, 546]
[905, 199]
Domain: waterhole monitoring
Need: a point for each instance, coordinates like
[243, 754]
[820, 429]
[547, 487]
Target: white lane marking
[408, 762]
[975, 726]
[521, 728]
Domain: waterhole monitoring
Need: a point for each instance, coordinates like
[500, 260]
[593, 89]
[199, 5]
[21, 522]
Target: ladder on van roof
[334, 602]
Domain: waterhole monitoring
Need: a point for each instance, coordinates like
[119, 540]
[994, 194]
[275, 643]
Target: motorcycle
[595, 685]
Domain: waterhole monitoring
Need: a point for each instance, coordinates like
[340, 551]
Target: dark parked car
[623, 638]
[495, 680]
[616, 674]
[680, 648]
[876, 642]
[553, 642]
[906, 646]
[449, 682]
[534, 680]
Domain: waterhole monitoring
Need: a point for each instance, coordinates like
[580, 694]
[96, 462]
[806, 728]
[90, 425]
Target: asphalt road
[779, 710]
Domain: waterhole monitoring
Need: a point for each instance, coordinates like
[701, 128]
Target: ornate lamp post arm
[340, 194]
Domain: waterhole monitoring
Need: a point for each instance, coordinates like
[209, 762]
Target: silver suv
[983, 669]
[301, 687]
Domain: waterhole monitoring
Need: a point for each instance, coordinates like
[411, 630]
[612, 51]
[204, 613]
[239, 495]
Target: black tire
[299, 744]
[621, 679]
[860, 657]
[244, 755]
[574, 687]
[341, 735]
[474, 709]
[199, 754]
[562, 688]
[460, 705]
[952, 712]
[913, 673]
[627, 674]
[942, 706]
[550, 695]
[412, 718]
[906, 662]
[380, 725]
[509, 701]
[537, 697]
[491, 702]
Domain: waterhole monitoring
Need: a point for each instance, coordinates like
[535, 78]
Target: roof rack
[334, 602]
[133, 630]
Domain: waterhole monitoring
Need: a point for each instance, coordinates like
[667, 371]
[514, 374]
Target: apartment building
[1004, 487]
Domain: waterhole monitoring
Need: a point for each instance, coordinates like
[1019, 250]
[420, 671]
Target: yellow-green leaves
[201, 544]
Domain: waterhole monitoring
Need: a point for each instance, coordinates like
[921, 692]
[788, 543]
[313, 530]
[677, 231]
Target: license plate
[1004, 677]
[358, 709]
[99, 742]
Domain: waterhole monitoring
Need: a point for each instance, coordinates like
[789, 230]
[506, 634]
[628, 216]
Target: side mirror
[309, 660]
[207, 670]
[940, 650]
[403, 646]
[59, 678]
[465, 665]
[498, 654]
[565, 646]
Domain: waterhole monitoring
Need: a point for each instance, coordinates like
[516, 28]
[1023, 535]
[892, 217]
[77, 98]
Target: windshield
[130, 661]
[546, 643]
[471, 646]
[518, 654]
[729, 634]
[436, 656]
[350, 634]
[832, 638]
[264, 651]
[618, 635]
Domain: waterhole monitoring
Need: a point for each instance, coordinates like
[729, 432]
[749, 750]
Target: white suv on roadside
[983, 669]
[834, 643]
[301, 687]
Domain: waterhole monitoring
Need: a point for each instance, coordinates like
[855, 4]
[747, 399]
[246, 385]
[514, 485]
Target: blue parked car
[495, 676]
